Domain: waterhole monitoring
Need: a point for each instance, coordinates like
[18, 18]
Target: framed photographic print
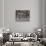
[22, 15]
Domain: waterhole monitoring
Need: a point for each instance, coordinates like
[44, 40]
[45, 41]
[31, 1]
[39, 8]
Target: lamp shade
[39, 29]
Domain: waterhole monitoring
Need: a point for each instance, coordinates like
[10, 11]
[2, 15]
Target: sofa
[23, 36]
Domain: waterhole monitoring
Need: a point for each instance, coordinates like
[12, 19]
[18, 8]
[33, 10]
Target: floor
[18, 45]
[23, 44]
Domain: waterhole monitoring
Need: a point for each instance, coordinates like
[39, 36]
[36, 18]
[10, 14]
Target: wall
[35, 7]
[44, 18]
[1, 14]
[45, 12]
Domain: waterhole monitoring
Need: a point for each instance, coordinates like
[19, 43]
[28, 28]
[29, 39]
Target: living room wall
[1, 14]
[35, 7]
[44, 18]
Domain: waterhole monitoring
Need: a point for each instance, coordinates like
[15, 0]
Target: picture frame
[22, 15]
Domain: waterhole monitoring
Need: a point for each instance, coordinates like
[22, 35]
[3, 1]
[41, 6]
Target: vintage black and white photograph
[22, 15]
[22, 22]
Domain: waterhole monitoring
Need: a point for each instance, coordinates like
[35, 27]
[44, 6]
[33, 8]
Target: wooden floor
[16, 45]
[23, 44]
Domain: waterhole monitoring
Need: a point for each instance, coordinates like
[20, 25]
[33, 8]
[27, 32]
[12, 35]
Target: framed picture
[22, 15]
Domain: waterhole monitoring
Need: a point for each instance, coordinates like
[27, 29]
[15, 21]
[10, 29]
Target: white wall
[35, 7]
[44, 18]
[45, 12]
[1, 15]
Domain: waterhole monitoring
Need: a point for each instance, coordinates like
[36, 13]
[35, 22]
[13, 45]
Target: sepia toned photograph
[22, 15]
